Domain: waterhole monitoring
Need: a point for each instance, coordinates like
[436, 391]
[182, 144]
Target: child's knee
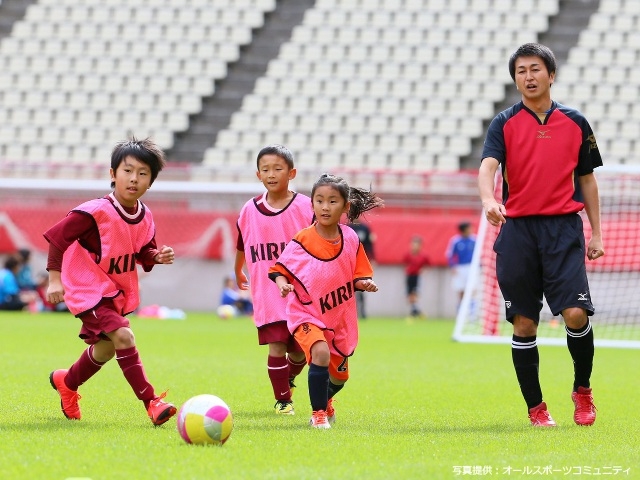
[122, 338]
[320, 354]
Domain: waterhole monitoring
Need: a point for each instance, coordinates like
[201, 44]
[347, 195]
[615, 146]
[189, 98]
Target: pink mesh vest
[324, 292]
[265, 237]
[113, 274]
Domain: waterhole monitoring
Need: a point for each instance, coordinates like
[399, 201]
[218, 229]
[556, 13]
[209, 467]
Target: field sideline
[417, 406]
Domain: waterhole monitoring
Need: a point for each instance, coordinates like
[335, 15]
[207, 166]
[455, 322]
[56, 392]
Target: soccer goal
[614, 279]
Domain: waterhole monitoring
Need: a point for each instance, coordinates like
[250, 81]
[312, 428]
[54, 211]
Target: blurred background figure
[367, 238]
[459, 254]
[11, 297]
[240, 300]
[25, 274]
[44, 305]
[415, 260]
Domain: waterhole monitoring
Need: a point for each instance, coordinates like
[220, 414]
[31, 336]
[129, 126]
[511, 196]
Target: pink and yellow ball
[205, 419]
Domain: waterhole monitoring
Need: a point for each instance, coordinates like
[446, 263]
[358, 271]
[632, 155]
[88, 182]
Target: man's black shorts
[539, 255]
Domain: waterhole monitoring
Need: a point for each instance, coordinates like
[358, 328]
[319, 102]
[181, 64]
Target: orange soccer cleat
[319, 420]
[331, 412]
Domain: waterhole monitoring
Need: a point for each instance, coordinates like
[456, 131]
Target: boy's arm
[55, 289]
[165, 255]
[241, 279]
[75, 226]
[151, 255]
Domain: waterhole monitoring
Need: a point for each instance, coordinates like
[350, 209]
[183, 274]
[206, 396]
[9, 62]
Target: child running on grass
[324, 266]
[265, 225]
[93, 253]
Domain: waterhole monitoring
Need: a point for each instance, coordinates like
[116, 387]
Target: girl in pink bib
[319, 272]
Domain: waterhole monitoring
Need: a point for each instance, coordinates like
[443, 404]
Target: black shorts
[412, 284]
[542, 255]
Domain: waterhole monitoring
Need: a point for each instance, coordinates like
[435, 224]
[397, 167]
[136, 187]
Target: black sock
[333, 388]
[318, 386]
[580, 343]
[526, 360]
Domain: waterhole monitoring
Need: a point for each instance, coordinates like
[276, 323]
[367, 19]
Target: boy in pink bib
[93, 256]
[265, 225]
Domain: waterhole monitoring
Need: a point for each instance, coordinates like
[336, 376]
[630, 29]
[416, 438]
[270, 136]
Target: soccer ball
[226, 311]
[205, 419]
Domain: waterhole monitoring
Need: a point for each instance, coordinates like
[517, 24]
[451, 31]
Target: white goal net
[614, 279]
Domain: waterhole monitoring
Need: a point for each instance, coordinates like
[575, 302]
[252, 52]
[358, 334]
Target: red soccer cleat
[68, 398]
[160, 411]
[585, 410]
[540, 416]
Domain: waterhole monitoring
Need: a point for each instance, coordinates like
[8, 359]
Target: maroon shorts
[99, 321]
[278, 332]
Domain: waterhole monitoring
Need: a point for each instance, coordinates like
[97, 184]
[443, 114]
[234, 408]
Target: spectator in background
[459, 254]
[25, 274]
[42, 283]
[415, 260]
[10, 296]
[238, 299]
[366, 239]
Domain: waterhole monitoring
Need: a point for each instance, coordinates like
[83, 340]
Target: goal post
[614, 279]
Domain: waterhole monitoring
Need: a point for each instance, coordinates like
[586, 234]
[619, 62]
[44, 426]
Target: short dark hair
[11, 262]
[533, 50]
[276, 149]
[462, 226]
[145, 151]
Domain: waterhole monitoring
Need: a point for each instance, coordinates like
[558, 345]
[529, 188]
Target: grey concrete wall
[192, 284]
[196, 285]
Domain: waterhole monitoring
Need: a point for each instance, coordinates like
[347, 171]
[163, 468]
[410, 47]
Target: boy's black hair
[533, 50]
[276, 149]
[145, 151]
[462, 226]
[361, 200]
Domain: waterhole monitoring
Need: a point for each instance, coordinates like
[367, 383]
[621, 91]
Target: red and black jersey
[542, 160]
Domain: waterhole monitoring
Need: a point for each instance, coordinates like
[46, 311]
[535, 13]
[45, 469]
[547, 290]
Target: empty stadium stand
[404, 86]
[99, 70]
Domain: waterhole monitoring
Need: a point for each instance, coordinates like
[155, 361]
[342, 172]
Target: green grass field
[417, 406]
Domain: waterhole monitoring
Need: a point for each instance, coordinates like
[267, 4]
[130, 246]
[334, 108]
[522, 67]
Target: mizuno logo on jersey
[339, 296]
[582, 297]
[543, 134]
[122, 264]
[266, 251]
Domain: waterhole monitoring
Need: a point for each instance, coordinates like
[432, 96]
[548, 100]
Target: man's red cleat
[540, 417]
[585, 410]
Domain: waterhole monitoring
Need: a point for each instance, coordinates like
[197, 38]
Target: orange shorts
[307, 335]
